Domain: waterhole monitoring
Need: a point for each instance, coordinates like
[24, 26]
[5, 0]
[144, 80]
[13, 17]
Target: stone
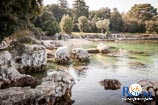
[62, 55]
[103, 48]
[32, 59]
[80, 55]
[111, 84]
[54, 90]
[10, 77]
[93, 50]
[5, 58]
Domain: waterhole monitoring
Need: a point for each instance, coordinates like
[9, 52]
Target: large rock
[32, 59]
[5, 58]
[80, 55]
[54, 90]
[111, 84]
[62, 55]
[10, 77]
[103, 48]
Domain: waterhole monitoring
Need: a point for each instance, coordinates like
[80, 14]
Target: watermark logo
[135, 89]
[135, 93]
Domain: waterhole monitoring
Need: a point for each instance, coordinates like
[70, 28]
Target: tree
[116, 21]
[66, 24]
[142, 12]
[16, 14]
[63, 3]
[152, 26]
[57, 11]
[47, 22]
[103, 13]
[80, 9]
[83, 23]
[103, 25]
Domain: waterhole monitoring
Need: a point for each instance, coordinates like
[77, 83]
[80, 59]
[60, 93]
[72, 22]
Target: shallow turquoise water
[88, 91]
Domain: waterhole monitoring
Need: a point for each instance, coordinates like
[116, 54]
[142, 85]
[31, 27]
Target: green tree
[142, 12]
[83, 23]
[103, 13]
[47, 22]
[80, 9]
[58, 12]
[16, 14]
[104, 25]
[116, 21]
[66, 24]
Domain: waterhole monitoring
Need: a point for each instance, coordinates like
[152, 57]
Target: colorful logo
[135, 89]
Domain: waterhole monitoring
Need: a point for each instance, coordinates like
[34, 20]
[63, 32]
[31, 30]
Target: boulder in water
[80, 55]
[103, 48]
[62, 55]
[111, 84]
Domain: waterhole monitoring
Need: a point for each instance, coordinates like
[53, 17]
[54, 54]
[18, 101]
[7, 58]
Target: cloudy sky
[122, 5]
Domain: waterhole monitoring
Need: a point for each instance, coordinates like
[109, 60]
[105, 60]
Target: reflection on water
[88, 91]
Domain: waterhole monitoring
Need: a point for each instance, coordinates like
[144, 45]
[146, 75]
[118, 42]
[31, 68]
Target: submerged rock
[80, 55]
[111, 84]
[136, 65]
[10, 77]
[93, 50]
[62, 55]
[54, 90]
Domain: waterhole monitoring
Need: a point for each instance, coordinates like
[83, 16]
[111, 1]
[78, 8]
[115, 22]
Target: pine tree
[80, 9]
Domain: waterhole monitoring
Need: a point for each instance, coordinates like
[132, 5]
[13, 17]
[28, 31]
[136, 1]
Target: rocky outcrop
[103, 48]
[54, 90]
[32, 59]
[80, 55]
[5, 58]
[111, 84]
[62, 55]
[10, 77]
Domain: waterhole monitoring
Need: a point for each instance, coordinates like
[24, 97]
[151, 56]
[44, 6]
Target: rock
[111, 84]
[80, 68]
[80, 55]
[51, 44]
[5, 58]
[93, 50]
[62, 55]
[136, 65]
[54, 90]
[32, 59]
[103, 48]
[10, 77]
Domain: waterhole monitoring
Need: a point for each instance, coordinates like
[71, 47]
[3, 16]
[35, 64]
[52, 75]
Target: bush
[66, 24]
[83, 24]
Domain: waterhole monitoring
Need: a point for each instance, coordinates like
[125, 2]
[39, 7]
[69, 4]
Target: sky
[122, 5]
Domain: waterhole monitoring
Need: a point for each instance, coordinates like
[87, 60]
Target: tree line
[51, 19]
